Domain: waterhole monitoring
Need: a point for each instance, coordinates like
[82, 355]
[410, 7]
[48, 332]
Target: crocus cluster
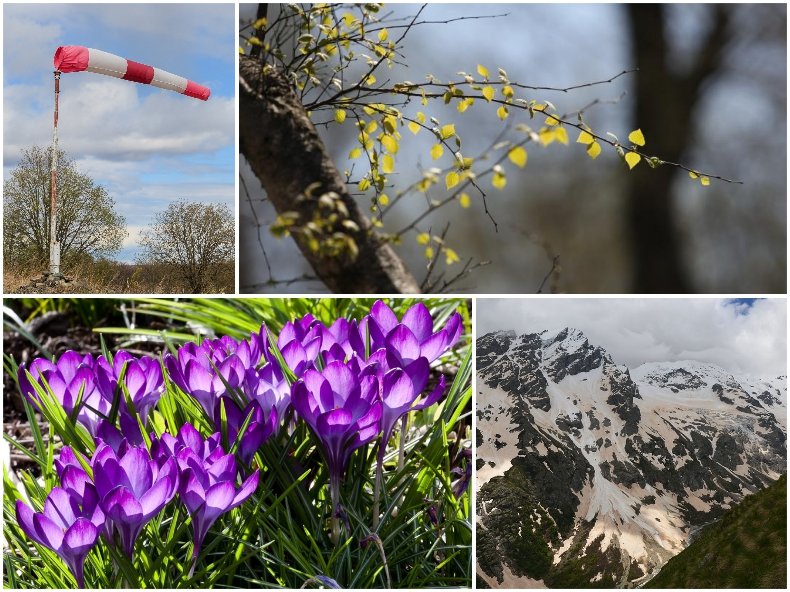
[130, 485]
[95, 386]
[350, 382]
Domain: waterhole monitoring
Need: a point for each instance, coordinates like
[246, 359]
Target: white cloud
[642, 330]
[109, 118]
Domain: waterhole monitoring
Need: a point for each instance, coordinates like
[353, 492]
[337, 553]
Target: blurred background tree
[711, 90]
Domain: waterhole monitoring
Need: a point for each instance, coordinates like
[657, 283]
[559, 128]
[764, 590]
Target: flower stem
[377, 488]
[334, 521]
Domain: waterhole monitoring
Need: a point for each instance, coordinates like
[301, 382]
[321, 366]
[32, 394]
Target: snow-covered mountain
[591, 474]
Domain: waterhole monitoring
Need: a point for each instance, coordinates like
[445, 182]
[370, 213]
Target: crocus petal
[384, 316]
[340, 378]
[435, 395]
[49, 533]
[434, 346]
[155, 498]
[190, 438]
[24, 517]
[193, 494]
[224, 469]
[218, 498]
[403, 343]
[397, 389]
[80, 537]
[136, 464]
[246, 490]
[61, 508]
[419, 321]
[74, 480]
[122, 506]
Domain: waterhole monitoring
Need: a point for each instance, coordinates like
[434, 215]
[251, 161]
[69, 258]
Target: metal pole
[54, 245]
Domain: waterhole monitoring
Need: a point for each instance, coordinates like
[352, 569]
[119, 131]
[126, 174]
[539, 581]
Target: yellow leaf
[585, 138]
[371, 127]
[384, 199]
[390, 143]
[389, 123]
[464, 200]
[632, 158]
[547, 135]
[370, 80]
[693, 175]
[260, 23]
[704, 180]
[448, 131]
[254, 41]
[340, 115]
[561, 134]
[423, 238]
[451, 180]
[383, 34]
[355, 153]
[551, 120]
[507, 91]
[437, 151]
[241, 50]
[499, 180]
[637, 137]
[364, 184]
[518, 156]
[488, 93]
[414, 127]
[450, 256]
[465, 104]
[429, 252]
[483, 71]
[349, 19]
[594, 150]
[420, 116]
[387, 164]
[502, 113]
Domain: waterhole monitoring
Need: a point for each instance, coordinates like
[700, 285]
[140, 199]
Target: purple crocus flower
[400, 391]
[344, 412]
[69, 525]
[269, 387]
[132, 489]
[208, 481]
[413, 336]
[71, 379]
[143, 380]
[262, 424]
[204, 370]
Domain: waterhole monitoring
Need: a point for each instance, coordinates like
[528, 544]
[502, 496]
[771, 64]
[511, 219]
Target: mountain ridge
[622, 463]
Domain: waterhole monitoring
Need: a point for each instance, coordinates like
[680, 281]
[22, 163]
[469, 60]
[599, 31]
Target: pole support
[54, 244]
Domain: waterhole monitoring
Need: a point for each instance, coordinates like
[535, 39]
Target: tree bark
[665, 104]
[284, 150]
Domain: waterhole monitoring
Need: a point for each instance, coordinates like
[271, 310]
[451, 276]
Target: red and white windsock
[75, 58]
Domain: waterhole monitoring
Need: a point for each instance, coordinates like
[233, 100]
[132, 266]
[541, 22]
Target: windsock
[75, 58]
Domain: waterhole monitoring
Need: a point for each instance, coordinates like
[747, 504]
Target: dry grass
[110, 277]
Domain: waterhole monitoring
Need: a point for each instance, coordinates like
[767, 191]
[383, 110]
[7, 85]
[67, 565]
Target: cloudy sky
[147, 146]
[742, 336]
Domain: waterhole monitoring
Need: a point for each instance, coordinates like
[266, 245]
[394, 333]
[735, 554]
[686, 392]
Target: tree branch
[287, 155]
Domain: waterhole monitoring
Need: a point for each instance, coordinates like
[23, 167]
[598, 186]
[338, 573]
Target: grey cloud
[642, 330]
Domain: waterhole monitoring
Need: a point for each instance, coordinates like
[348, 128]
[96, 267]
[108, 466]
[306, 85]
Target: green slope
[747, 548]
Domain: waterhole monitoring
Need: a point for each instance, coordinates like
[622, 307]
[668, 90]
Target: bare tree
[195, 239]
